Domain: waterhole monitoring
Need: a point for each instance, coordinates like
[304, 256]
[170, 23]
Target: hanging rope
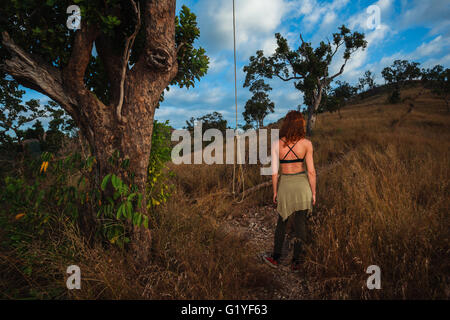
[236, 137]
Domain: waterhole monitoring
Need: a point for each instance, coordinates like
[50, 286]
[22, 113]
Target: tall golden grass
[382, 199]
[386, 203]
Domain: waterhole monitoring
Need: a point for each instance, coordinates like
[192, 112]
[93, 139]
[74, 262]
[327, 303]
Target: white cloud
[443, 61]
[217, 64]
[256, 22]
[314, 12]
[329, 18]
[435, 46]
[374, 37]
[430, 13]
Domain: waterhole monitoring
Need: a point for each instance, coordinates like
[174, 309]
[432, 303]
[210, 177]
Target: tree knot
[159, 59]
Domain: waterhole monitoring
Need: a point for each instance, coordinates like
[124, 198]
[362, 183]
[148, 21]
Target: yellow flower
[44, 166]
[20, 216]
[113, 240]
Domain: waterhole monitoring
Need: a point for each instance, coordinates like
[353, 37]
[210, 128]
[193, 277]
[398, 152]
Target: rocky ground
[258, 227]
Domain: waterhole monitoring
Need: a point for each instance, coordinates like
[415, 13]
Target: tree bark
[312, 112]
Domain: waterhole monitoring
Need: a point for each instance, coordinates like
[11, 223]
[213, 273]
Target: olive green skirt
[294, 194]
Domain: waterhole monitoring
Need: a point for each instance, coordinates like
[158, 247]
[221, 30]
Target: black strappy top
[290, 149]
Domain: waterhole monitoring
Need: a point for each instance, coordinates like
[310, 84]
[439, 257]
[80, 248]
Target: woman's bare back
[299, 151]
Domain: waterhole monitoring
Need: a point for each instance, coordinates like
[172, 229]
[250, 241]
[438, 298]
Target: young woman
[296, 193]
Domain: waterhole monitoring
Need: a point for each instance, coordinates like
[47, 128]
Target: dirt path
[258, 227]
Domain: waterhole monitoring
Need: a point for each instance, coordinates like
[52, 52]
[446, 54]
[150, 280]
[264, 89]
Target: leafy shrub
[158, 191]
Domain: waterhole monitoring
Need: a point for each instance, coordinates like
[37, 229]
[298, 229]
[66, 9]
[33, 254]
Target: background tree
[339, 97]
[437, 79]
[259, 105]
[15, 114]
[400, 71]
[213, 120]
[367, 80]
[142, 48]
[308, 67]
[37, 131]
[397, 74]
[60, 126]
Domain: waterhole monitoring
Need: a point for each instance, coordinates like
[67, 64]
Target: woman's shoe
[270, 261]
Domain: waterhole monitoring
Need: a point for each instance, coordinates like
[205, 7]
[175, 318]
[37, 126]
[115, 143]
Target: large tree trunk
[126, 124]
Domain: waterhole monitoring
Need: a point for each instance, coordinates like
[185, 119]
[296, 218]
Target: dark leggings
[300, 234]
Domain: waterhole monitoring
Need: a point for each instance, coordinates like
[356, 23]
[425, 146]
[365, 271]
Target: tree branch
[75, 69]
[180, 46]
[289, 78]
[34, 73]
[328, 80]
[126, 57]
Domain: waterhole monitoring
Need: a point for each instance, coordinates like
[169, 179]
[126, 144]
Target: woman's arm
[275, 165]
[275, 186]
[311, 170]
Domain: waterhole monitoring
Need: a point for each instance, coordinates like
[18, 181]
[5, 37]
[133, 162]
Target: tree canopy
[40, 29]
[308, 67]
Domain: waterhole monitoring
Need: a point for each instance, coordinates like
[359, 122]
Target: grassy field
[382, 199]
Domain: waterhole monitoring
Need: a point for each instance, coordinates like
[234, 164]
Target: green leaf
[105, 181]
[129, 209]
[145, 223]
[139, 219]
[120, 211]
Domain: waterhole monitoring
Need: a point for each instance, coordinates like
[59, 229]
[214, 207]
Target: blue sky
[413, 30]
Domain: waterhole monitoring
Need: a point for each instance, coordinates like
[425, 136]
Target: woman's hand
[314, 199]
[275, 198]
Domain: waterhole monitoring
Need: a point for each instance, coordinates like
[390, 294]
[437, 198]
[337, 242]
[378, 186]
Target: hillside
[383, 193]
[382, 199]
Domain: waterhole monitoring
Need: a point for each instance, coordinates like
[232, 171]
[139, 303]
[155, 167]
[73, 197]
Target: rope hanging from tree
[236, 136]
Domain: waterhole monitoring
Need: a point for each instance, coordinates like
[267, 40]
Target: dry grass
[385, 202]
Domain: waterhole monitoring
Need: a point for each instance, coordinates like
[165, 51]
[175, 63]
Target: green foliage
[158, 190]
[193, 63]
[116, 209]
[338, 97]
[41, 30]
[59, 127]
[438, 80]
[400, 71]
[15, 114]
[64, 188]
[32, 207]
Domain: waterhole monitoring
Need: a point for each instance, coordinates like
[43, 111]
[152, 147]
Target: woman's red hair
[293, 128]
